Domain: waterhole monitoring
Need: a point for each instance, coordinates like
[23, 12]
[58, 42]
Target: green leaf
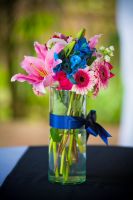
[55, 134]
[68, 49]
[81, 33]
[91, 60]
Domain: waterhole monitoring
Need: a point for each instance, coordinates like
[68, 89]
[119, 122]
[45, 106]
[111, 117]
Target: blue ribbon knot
[72, 122]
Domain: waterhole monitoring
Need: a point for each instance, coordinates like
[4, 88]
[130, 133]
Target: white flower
[107, 58]
[111, 54]
[102, 48]
[112, 48]
[107, 50]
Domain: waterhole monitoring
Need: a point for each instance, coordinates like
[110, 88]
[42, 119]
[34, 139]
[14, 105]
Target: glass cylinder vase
[67, 147]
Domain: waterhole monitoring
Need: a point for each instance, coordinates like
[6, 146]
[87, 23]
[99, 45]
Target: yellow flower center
[41, 73]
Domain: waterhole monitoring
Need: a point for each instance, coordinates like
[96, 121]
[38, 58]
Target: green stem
[62, 161]
[50, 145]
[75, 150]
[55, 158]
[66, 172]
[70, 149]
[71, 143]
[65, 132]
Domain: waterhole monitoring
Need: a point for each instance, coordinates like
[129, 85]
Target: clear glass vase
[67, 147]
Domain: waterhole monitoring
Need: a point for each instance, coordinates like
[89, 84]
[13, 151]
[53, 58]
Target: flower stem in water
[55, 158]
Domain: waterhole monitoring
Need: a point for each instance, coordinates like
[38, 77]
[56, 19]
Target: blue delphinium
[82, 48]
[64, 66]
[77, 62]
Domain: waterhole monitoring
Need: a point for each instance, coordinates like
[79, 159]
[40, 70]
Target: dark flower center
[81, 79]
[103, 75]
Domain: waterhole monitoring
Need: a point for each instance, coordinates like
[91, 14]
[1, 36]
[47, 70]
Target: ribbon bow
[71, 122]
[95, 129]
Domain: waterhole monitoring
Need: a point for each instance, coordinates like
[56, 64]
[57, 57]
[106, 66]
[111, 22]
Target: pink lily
[48, 55]
[37, 74]
[39, 70]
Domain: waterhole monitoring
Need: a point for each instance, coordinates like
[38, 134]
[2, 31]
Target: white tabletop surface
[9, 156]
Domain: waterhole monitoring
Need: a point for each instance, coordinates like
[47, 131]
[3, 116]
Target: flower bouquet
[73, 69]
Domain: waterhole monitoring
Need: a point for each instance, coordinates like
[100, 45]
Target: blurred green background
[24, 21]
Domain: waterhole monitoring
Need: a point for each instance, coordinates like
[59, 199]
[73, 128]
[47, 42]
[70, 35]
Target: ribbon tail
[92, 131]
[104, 135]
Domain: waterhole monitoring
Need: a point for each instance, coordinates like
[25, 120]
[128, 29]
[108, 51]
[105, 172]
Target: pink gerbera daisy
[103, 73]
[84, 81]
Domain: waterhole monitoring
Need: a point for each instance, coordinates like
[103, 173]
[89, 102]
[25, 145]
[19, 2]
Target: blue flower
[64, 66]
[58, 67]
[82, 48]
[83, 63]
[75, 60]
[76, 63]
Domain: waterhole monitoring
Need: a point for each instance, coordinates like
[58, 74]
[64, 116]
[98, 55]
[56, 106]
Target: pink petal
[94, 40]
[111, 75]
[41, 50]
[62, 36]
[48, 80]
[108, 65]
[39, 89]
[33, 65]
[58, 47]
[96, 90]
[97, 54]
[21, 78]
[56, 41]
[69, 39]
[50, 62]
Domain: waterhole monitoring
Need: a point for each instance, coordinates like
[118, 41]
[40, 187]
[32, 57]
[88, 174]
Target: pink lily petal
[38, 89]
[58, 47]
[48, 81]
[54, 41]
[33, 65]
[41, 50]
[29, 78]
[94, 40]
[50, 62]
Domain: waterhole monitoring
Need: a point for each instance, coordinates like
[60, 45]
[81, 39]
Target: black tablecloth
[109, 176]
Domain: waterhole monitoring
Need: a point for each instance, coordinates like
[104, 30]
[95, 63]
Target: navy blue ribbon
[71, 122]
